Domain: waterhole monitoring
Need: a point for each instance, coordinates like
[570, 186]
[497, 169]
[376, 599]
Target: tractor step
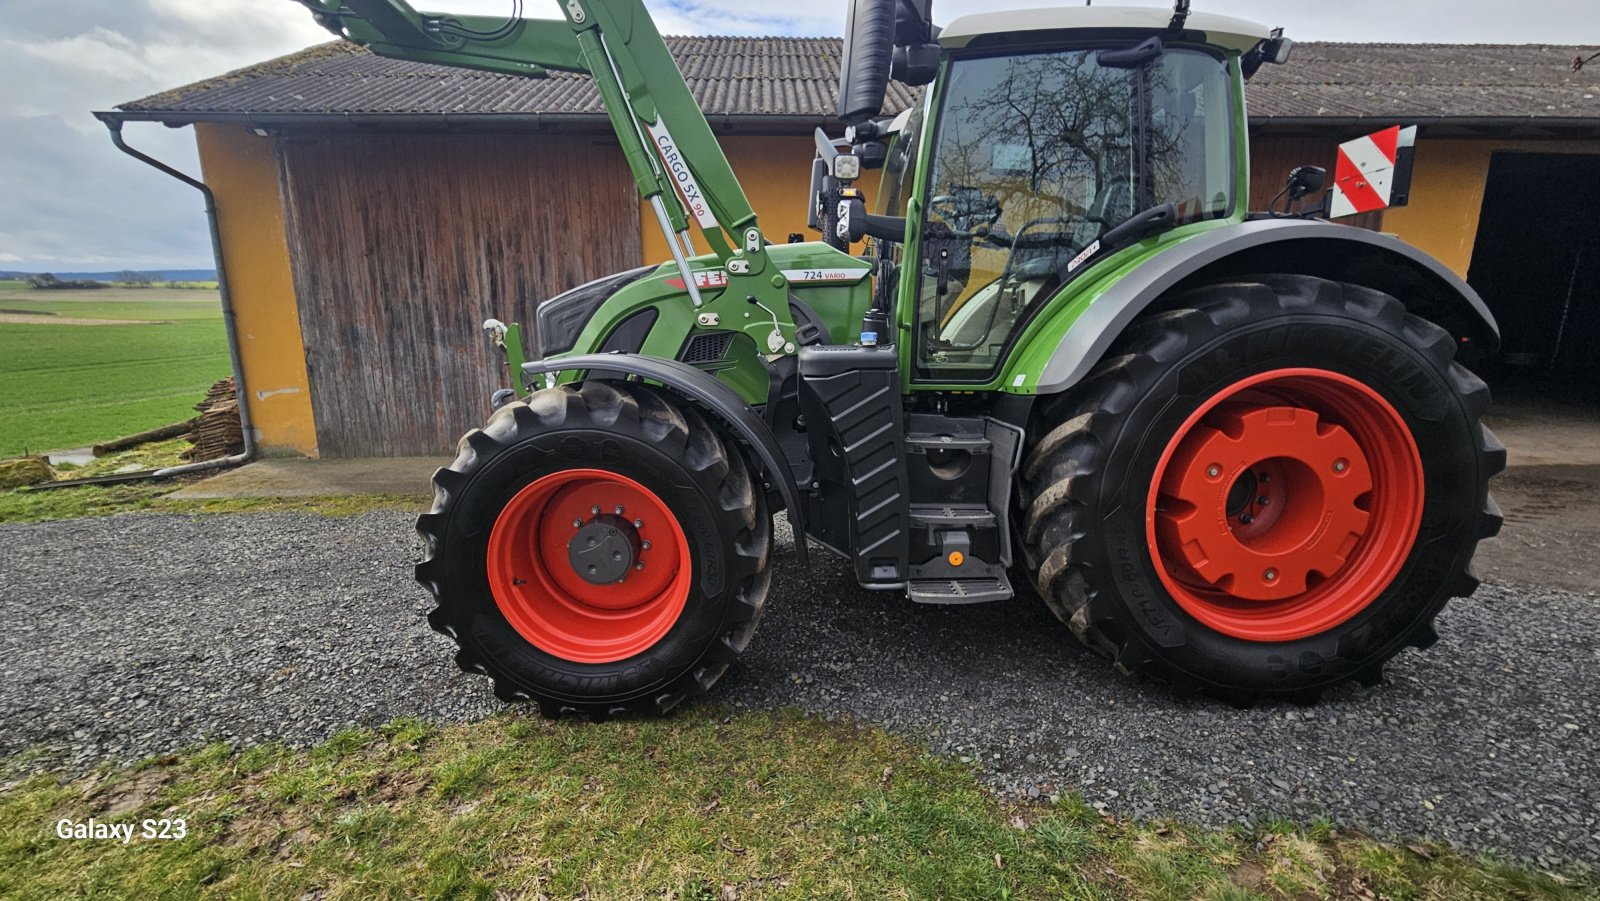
[960, 591]
[922, 443]
[951, 516]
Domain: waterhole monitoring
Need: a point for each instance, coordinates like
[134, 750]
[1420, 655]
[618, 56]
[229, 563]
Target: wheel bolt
[638, 524]
[595, 510]
[1263, 500]
[1263, 478]
[1247, 519]
[577, 523]
[619, 510]
[1340, 465]
[644, 546]
[1272, 575]
[1213, 471]
[638, 566]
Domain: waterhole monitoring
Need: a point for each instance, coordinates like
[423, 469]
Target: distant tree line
[129, 278]
[48, 282]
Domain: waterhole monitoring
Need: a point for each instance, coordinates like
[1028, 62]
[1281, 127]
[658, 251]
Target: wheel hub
[604, 549]
[1267, 500]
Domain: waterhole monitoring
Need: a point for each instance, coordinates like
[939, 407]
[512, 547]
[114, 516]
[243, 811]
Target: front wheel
[598, 550]
[1269, 490]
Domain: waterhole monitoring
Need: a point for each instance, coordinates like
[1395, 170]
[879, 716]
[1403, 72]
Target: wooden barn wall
[1272, 157]
[404, 244]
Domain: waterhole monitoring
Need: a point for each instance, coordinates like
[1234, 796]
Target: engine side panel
[729, 338]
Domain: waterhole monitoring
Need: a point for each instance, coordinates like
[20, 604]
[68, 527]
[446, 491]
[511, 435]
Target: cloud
[72, 200]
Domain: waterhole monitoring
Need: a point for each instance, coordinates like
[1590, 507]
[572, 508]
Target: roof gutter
[728, 122]
[735, 122]
[1589, 122]
[114, 122]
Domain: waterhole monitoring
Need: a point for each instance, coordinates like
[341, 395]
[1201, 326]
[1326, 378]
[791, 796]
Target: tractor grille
[707, 348]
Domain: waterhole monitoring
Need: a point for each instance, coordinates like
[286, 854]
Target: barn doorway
[1537, 265]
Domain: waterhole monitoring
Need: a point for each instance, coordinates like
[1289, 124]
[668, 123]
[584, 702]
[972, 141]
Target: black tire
[1095, 450]
[635, 432]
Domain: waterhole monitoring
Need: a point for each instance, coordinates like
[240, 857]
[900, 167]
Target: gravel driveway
[138, 634]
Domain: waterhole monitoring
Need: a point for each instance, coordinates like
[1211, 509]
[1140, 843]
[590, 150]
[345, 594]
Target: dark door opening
[1537, 264]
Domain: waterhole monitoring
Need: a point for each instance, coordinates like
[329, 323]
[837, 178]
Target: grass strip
[705, 805]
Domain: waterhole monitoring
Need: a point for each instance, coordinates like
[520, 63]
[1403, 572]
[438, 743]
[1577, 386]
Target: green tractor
[1232, 451]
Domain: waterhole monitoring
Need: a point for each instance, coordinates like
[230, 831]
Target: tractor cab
[1042, 141]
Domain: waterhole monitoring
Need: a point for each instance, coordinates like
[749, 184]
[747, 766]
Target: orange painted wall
[242, 172]
[1447, 191]
[1446, 199]
[775, 172]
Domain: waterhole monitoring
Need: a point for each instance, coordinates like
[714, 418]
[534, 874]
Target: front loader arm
[671, 151]
[392, 28]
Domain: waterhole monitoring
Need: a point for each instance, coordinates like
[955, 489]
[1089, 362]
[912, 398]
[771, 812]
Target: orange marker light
[957, 558]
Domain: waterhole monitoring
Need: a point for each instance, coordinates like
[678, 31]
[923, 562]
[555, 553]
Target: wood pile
[217, 432]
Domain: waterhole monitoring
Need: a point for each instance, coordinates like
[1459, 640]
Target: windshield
[1035, 158]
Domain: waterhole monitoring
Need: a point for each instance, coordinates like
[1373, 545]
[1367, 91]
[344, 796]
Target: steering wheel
[966, 212]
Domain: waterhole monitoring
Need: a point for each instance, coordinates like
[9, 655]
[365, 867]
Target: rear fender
[1301, 247]
[705, 392]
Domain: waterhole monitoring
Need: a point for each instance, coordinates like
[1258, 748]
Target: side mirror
[868, 52]
[1276, 50]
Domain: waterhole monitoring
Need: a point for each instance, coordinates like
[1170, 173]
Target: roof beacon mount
[1180, 16]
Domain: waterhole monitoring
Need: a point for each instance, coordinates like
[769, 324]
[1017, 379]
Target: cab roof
[1222, 31]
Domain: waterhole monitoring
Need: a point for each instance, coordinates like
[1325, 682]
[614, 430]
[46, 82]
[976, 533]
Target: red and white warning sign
[1374, 172]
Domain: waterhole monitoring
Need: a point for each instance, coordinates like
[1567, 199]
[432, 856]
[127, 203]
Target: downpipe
[230, 326]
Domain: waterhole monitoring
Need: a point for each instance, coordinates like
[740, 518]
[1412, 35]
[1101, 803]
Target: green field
[69, 384]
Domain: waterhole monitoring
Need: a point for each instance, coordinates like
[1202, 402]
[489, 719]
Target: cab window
[1035, 157]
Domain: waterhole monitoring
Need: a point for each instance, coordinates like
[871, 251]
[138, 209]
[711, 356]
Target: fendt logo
[693, 197]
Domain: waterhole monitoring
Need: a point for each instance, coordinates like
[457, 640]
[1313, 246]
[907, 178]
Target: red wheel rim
[1285, 505]
[552, 602]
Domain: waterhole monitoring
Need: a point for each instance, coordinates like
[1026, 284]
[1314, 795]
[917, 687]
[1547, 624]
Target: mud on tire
[641, 436]
[1095, 451]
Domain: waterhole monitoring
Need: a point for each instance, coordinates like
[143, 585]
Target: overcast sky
[70, 201]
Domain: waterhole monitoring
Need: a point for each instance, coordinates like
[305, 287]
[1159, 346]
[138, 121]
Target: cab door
[1034, 157]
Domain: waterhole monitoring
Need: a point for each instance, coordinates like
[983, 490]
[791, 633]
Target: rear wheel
[1269, 490]
[598, 550]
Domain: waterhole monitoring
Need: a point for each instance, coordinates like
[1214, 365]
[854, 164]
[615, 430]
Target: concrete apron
[300, 477]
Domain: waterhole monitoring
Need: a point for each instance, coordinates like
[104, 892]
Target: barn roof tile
[781, 78]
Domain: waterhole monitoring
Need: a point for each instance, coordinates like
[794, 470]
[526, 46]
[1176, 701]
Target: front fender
[1295, 246]
[706, 392]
